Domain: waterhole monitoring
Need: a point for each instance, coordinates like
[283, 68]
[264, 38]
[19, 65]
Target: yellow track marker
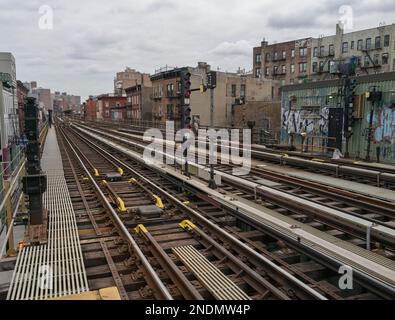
[187, 225]
[96, 172]
[121, 172]
[121, 205]
[159, 202]
[140, 229]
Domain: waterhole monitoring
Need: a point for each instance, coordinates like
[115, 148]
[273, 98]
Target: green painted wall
[306, 106]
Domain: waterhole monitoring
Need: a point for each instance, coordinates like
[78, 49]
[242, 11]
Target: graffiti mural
[313, 120]
[384, 132]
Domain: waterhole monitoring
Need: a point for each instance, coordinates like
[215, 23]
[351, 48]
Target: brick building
[129, 78]
[111, 107]
[21, 92]
[90, 108]
[139, 103]
[314, 59]
[232, 89]
[288, 62]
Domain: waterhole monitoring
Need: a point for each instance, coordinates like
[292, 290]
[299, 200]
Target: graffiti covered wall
[384, 132]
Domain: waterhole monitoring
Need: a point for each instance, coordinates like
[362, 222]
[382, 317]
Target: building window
[275, 57]
[284, 69]
[234, 90]
[302, 67]
[267, 56]
[315, 65]
[387, 40]
[292, 81]
[284, 55]
[368, 43]
[331, 64]
[267, 72]
[243, 90]
[331, 49]
[282, 82]
[377, 42]
[258, 58]
[322, 51]
[345, 47]
[293, 53]
[275, 68]
[258, 73]
[359, 44]
[170, 89]
[352, 45]
[315, 52]
[321, 66]
[303, 52]
[385, 58]
[292, 68]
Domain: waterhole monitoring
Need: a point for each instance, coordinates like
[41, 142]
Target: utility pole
[349, 91]
[35, 181]
[373, 96]
[211, 84]
[185, 77]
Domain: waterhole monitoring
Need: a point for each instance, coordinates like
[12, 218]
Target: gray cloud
[93, 39]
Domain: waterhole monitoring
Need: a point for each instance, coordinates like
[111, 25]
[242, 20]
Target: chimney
[339, 29]
[264, 43]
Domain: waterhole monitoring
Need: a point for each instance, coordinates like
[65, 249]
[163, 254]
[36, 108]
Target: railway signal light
[185, 98]
[211, 79]
[187, 116]
[375, 96]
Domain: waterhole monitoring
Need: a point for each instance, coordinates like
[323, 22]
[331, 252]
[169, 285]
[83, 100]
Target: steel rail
[381, 230]
[217, 230]
[152, 278]
[186, 288]
[370, 281]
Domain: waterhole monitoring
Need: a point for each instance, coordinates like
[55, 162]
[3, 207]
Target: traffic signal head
[186, 80]
[187, 115]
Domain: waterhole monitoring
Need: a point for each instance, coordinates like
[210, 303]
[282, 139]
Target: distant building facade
[111, 107]
[314, 59]
[232, 89]
[129, 78]
[22, 92]
[139, 103]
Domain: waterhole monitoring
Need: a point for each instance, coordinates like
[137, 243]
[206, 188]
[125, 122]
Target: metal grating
[221, 287]
[57, 268]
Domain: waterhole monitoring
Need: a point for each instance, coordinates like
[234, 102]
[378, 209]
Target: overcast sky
[93, 39]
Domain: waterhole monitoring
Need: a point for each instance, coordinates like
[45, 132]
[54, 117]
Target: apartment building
[314, 59]
[373, 49]
[129, 78]
[22, 92]
[111, 107]
[232, 89]
[139, 103]
[287, 62]
[91, 108]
